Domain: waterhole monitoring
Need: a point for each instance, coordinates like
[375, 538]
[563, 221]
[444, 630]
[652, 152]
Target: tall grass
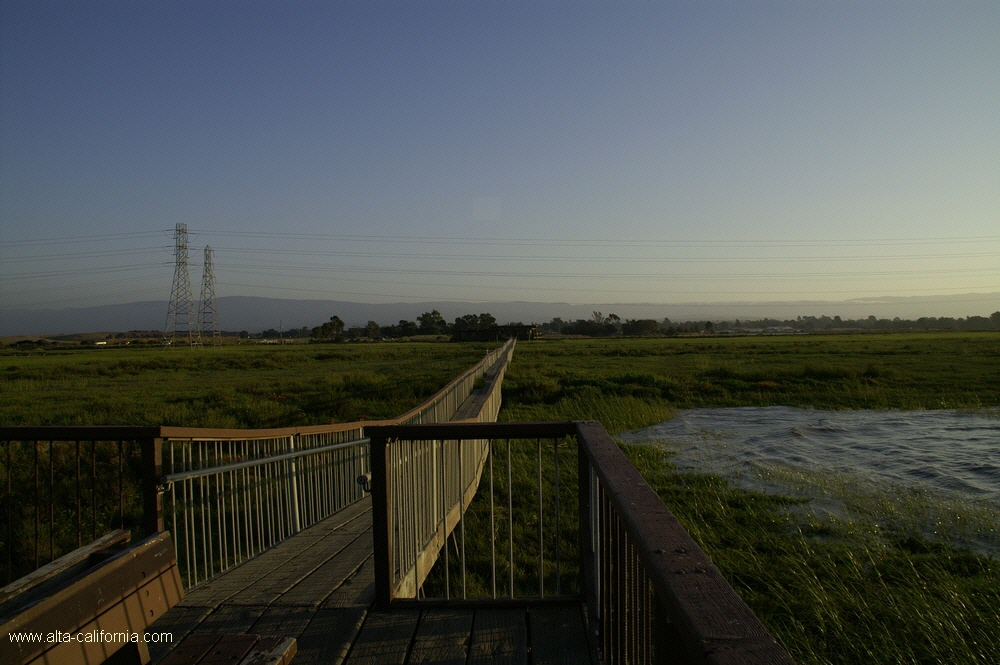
[886, 577]
[832, 589]
[229, 386]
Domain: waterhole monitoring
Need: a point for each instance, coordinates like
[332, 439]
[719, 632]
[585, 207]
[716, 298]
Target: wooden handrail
[699, 616]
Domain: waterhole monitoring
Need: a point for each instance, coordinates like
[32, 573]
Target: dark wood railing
[652, 594]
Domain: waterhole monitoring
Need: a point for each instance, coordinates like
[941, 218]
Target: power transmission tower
[181, 309]
[208, 315]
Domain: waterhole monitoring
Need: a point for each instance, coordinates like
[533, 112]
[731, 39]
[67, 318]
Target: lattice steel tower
[180, 312]
[208, 315]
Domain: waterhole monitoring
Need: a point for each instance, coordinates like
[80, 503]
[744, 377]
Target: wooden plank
[329, 636]
[191, 650]
[179, 622]
[283, 621]
[237, 580]
[229, 649]
[558, 636]
[357, 590]
[314, 588]
[500, 636]
[231, 619]
[276, 582]
[69, 564]
[271, 651]
[443, 637]
[218, 649]
[251, 582]
[385, 638]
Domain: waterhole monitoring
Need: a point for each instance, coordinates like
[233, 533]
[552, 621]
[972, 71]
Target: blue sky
[577, 152]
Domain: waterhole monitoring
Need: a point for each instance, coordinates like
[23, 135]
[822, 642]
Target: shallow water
[949, 460]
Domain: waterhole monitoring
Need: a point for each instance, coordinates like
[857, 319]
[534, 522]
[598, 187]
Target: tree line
[599, 325]
[428, 323]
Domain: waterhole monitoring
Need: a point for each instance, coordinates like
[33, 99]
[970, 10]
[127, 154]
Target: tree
[642, 327]
[372, 330]
[432, 323]
[332, 329]
[556, 325]
[484, 321]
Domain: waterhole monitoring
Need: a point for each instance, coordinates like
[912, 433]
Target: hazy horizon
[254, 313]
[429, 152]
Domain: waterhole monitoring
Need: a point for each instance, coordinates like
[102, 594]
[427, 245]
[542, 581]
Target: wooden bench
[91, 606]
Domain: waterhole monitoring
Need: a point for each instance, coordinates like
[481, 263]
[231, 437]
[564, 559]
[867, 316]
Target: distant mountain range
[253, 314]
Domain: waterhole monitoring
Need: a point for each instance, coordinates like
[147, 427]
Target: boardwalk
[318, 587]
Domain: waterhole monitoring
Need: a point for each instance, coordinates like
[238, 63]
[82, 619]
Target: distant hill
[255, 314]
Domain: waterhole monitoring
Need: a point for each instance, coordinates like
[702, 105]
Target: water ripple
[949, 453]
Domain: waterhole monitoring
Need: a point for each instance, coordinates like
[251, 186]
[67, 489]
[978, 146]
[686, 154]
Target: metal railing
[225, 494]
[566, 514]
[433, 483]
[229, 495]
[66, 487]
[226, 498]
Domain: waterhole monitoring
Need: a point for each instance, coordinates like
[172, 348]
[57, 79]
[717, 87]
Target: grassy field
[631, 383]
[868, 589]
[246, 386]
[833, 591]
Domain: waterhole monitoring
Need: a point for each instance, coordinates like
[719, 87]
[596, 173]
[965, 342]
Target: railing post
[152, 471]
[668, 646]
[381, 527]
[588, 588]
[293, 484]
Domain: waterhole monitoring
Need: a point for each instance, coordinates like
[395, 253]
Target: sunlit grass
[844, 571]
[839, 589]
[230, 387]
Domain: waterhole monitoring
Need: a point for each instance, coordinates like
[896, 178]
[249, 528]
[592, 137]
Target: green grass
[863, 587]
[230, 386]
[898, 371]
[868, 586]
[838, 590]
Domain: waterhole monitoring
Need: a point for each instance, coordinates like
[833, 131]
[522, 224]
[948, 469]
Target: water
[937, 471]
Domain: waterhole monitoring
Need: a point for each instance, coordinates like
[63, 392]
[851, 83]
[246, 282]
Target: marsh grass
[229, 386]
[861, 586]
[860, 573]
[898, 371]
[935, 516]
[835, 589]
[510, 536]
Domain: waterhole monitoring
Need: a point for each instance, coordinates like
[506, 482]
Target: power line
[600, 242]
[66, 240]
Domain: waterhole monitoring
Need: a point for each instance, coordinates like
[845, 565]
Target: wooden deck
[318, 587]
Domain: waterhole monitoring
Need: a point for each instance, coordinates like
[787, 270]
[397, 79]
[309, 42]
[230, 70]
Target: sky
[501, 151]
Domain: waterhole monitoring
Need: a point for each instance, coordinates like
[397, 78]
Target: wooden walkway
[318, 587]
